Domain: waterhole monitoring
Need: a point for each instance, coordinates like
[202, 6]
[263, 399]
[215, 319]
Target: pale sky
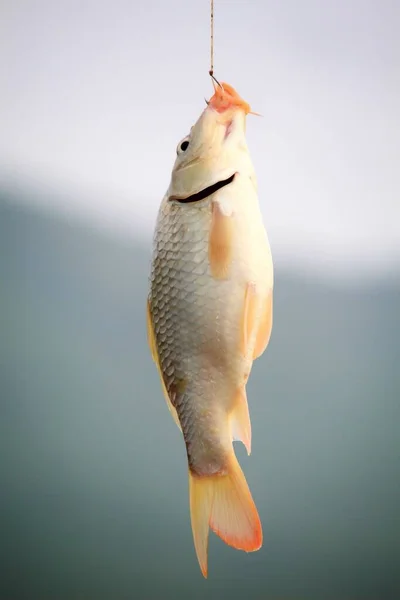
[95, 96]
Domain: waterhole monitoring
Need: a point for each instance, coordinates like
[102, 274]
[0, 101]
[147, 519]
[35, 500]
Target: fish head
[215, 150]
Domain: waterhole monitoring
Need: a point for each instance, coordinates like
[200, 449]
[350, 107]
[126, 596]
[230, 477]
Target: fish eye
[183, 146]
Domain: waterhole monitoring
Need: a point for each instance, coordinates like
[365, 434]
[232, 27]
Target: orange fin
[249, 316]
[224, 503]
[256, 322]
[220, 242]
[153, 349]
[201, 496]
[150, 334]
[265, 327]
[240, 420]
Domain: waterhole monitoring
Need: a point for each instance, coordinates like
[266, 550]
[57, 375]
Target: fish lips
[211, 189]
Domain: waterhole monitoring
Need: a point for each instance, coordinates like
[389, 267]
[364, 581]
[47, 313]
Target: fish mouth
[211, 189]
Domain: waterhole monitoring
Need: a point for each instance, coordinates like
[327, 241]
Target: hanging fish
[209, 314]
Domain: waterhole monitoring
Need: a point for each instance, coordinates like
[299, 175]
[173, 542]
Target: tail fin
[224, 503]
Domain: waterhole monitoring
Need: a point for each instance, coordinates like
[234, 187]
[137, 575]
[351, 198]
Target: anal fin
[240, 420]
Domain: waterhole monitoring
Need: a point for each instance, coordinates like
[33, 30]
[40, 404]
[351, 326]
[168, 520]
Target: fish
[210, 313]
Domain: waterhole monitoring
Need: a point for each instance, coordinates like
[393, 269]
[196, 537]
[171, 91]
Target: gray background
[94, 498]
[93, 475]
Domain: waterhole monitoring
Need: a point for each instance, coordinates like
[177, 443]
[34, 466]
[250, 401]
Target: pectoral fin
[153, 350]
[220, 242]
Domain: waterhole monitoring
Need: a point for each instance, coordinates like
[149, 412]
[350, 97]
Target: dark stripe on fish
[206, 192]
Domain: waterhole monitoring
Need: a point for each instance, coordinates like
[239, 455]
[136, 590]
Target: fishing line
[211, 71]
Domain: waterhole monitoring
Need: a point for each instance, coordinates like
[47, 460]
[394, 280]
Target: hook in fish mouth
[211, 189]
[211, 73]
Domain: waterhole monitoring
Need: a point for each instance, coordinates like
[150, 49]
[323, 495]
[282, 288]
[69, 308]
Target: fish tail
[223, 502]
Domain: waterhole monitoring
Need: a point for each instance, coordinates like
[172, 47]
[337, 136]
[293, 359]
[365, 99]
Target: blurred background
[94, 98]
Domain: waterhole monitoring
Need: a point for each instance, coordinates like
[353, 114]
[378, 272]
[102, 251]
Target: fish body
[209, 314]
